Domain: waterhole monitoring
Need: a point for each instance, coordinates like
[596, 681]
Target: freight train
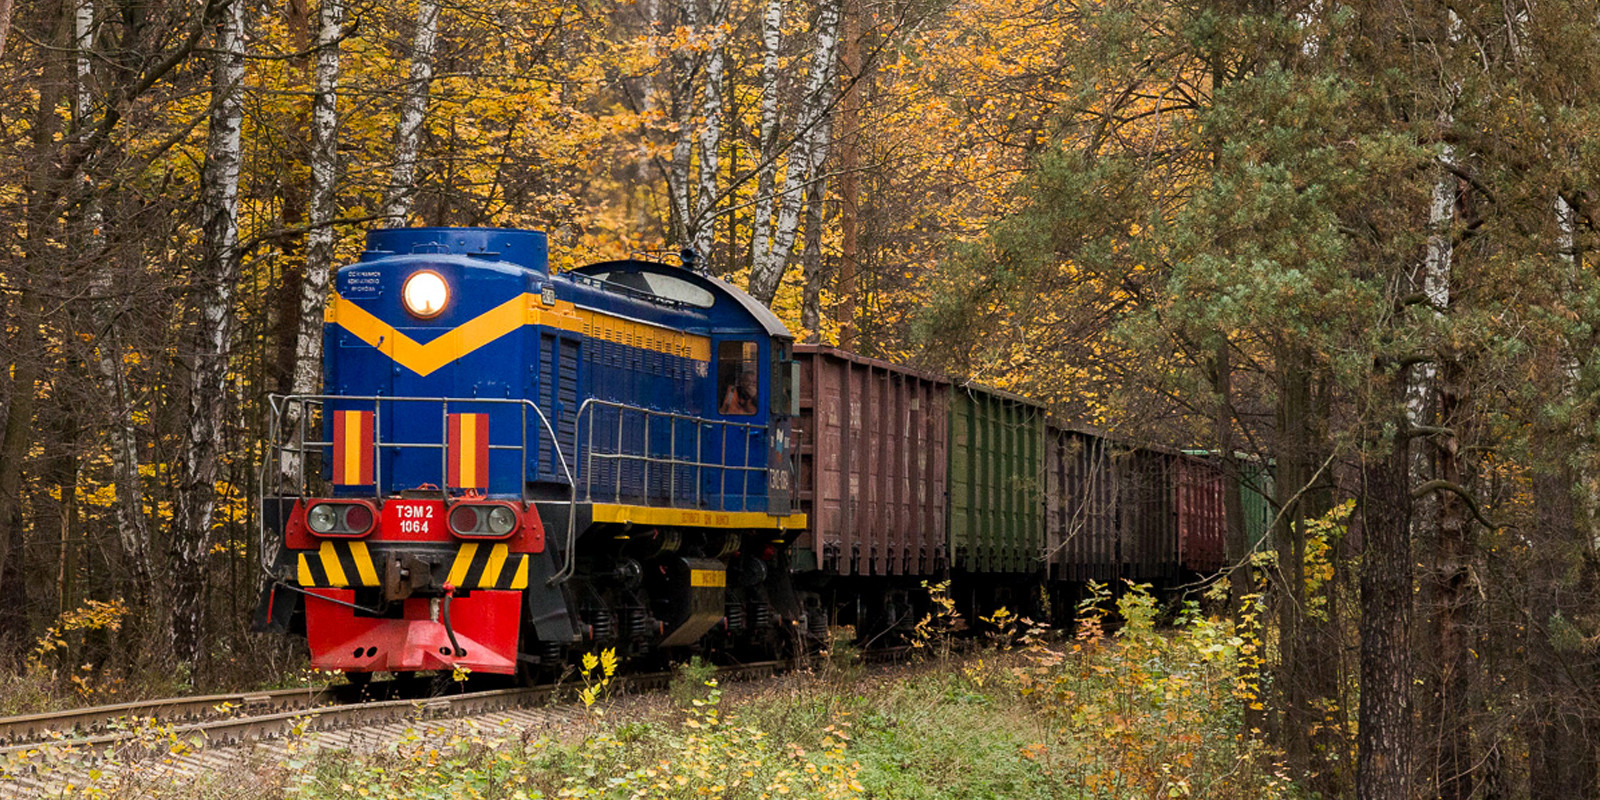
[509, 466]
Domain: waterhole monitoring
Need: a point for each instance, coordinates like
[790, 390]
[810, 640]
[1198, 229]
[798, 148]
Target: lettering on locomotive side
[361, 284]
[778, 480]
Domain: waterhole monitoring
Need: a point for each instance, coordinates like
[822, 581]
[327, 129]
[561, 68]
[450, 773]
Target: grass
[1139, 714]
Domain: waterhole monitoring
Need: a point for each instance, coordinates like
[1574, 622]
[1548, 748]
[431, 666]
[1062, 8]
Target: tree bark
[1236, 544]
[5, 24]
[767, 169]
[1384, 740]
[413, 109]
[1293, 476]
[844, 307]
[679, 188]
[324, 180]
[25, 346]
[701, 230]
[133, 529]
[210, 347]
[806, 156]
[811, 258]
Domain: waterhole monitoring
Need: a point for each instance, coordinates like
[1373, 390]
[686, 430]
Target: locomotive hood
[527, 249]
[738, 298]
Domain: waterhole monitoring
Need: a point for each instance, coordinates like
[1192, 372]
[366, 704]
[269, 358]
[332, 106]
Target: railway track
[195, 729]
[18, 733]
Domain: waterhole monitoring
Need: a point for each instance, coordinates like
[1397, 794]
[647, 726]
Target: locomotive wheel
[552, 660]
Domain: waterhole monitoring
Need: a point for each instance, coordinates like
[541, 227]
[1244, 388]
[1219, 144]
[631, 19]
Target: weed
[597, 674]
[935, 632]
[690, 682]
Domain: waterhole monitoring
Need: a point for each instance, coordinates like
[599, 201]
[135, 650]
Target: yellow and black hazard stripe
[338, 564]
[484, 566]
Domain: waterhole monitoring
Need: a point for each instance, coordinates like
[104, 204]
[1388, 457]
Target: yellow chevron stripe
[330, 563]
[364, 565]
[497, 562]
[521, 581]
[524, 309]
[303, 574]
[463, 563]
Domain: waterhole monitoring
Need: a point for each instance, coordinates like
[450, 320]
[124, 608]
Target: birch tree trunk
[324, 178]
[413, 108]
[806, 156]
[811, 258]
[678, 187]
[133, 529]
[5, 24]
[844, 309]
[216, 276]
[701, 229]
[767, 171]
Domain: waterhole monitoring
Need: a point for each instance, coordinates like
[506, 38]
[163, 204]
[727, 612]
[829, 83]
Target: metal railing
[673, 463]
[290, 447]
[286, 456]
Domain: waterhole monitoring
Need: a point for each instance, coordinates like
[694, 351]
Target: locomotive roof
[763, 316]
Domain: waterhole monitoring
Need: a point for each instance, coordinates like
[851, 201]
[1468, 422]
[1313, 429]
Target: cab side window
[737, 378]
[781, 393]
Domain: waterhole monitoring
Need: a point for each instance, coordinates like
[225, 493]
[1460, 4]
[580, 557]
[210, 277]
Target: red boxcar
[873, 468]
[1202, 521]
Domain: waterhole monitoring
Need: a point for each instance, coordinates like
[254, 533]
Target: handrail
[698, 464]
[297, 446]
[646, 459]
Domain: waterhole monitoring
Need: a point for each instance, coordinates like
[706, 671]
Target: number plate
[413, 519]
[708, 578]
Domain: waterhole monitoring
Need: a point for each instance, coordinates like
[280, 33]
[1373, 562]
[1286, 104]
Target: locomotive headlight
[501, 521]
[425, 294]
[322, 518]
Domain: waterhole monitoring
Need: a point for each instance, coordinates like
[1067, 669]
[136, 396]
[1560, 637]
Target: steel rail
[50, 725]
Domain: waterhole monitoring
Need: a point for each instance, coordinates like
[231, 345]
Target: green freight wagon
[996, 506]
[1256, 490]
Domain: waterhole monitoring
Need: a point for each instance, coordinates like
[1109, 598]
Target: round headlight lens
[322, 518]
[425, 294]
[501, 521]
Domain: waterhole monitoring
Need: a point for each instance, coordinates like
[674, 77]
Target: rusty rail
[19, 731]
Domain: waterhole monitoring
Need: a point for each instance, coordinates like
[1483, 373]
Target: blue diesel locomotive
[507, 465]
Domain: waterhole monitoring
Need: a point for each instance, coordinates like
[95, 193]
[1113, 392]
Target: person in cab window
[740, 399]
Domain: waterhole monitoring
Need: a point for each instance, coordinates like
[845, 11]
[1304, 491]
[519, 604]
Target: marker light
[425, 294]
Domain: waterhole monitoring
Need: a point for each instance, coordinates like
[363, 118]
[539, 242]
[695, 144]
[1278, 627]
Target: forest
[1350, 239]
